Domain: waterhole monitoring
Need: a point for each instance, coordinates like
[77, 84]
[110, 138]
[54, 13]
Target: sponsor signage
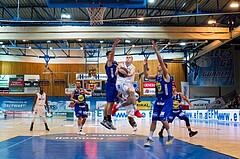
[148, 84]
[149, 91]
[149, 88]
[215, 68]
[222, 115]
[99, 94]
[100, 104]
[144, 105]
[201, 103]
[19, 114]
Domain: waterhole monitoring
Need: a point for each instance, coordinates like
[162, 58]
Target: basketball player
[177, 111]
[80, 107]
[125, 86]
[164, 102]
[38, 108]
[110, 86]
[130, 111]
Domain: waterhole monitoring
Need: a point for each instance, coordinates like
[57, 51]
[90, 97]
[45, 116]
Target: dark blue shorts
[176, 113]
[162, 109]
[81, 111]
[111, 92]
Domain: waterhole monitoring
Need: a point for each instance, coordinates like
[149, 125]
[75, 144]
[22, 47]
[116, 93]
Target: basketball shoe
[110, 125]
[148, 142]
[104, 123]
[192, 133]
[138, 114]
[81, 133]
[169, 140]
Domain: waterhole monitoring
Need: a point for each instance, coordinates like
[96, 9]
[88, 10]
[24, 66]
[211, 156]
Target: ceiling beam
[217, 43]
[69, 29]
[112, 35]
[67, 33]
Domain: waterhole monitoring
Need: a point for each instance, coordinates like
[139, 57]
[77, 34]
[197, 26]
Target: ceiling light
[65, 16]
[141, 18]
[29, 47]
[81, 48]
[49, 41]
[127, 41]
[151, 1]
[1, 42]
[133, 45]
[3, 46]
[50, 48]
[182, 44]
[79, 39]
[234, 4]
[212, 21]
[101, 41]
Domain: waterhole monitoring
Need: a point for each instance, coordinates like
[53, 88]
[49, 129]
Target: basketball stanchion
[96, 15]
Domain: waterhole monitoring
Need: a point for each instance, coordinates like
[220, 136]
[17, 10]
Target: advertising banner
[149, 88]
[215, 68]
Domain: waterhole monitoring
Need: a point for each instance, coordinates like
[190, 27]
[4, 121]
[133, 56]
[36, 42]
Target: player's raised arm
[146, 70]
[160, 60]
[116, 41]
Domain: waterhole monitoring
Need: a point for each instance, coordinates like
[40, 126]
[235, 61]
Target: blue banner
[215, 68]
[56, 104]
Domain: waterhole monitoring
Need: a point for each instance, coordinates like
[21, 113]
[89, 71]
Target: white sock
[169, 132]
[151, 135]
[135, 108]
[119, 105]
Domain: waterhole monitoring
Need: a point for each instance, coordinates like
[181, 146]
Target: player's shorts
[176, 113]
[125, 96]
[111, 92]
[123, 86]
[130, 110]
[162, 109]
[81, 110]
[39, 111]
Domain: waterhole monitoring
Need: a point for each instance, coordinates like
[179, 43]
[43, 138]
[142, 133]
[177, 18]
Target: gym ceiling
[60, 28]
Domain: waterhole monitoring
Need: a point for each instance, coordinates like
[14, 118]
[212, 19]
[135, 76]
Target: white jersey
[41, 99]
[127, 79]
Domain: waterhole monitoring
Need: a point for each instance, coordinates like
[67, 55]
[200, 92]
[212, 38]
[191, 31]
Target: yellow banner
[144, 105]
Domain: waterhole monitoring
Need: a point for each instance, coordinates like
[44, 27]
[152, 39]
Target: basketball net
[96, 15]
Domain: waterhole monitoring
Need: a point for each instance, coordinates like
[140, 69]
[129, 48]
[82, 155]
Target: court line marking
[144, 149]
[42, 133]
[17, 143]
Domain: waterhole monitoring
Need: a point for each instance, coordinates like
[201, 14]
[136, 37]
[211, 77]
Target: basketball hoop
[96, 15]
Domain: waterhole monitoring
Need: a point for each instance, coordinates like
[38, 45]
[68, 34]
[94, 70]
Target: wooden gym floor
[214, 140]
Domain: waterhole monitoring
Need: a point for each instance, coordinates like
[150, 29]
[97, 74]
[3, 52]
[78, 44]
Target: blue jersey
[80, 96]
[177, 99]
[163, 89]
[111, 72]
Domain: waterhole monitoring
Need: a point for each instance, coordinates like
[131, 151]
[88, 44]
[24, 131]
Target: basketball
[122, 71]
